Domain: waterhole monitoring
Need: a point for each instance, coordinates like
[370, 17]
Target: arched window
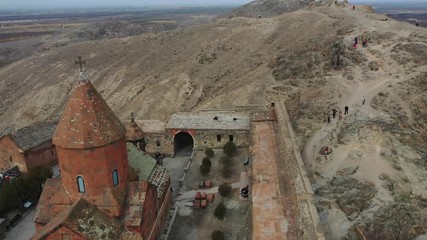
[115, 177]
[81, 184]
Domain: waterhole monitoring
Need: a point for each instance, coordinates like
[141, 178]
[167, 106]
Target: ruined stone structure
[195, 131]
[28, 147]
[96, 197]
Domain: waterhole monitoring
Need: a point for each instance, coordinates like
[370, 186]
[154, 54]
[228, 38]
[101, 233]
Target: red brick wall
[149, 212]
[59, 234]
[96, 167]
[41, 155]
[9, 149]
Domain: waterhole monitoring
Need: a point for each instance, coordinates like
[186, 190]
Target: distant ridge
[268, 8]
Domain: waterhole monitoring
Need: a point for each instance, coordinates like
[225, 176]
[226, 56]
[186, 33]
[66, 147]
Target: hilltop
[376, 175]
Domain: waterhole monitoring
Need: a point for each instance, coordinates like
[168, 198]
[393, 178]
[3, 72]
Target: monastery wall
[159, 142]
[209, 138]
[10, 155]
[308, 216]
[44, 155]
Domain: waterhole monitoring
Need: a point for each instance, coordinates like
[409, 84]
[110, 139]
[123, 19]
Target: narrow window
[158, 143]
[231, 138]
[10, 158]
[52, 152]
[218, 138]
[115, 177]
[272, 104]
[81, 184]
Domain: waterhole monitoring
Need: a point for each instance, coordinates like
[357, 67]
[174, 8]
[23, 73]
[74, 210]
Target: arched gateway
[183, 143]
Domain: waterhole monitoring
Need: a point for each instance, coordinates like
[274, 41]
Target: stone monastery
[108, 188]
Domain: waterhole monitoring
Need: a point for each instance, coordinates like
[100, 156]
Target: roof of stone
[152, 126]
[141, 162]
[133, 131]
[209, 121]
[136, 199]
[160, 178]
[34, 135]
[87, 121]
[87, 220]
[54, 194]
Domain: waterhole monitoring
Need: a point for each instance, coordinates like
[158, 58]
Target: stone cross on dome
[82, 77]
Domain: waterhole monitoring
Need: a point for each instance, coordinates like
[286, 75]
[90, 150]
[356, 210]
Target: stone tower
[134, 134]
[92, 154]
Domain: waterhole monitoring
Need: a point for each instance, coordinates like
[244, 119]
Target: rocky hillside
[378, 164]
[268, 8]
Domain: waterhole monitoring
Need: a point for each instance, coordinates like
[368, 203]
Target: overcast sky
[45, 4]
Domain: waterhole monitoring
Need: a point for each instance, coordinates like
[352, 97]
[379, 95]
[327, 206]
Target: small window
[218, 138]
[52, 152]
[231, 138]
[115, 177]
[234, 119]
[272, 104]
[81, 184]
[10, 158]
[158, 143]
[215, 118]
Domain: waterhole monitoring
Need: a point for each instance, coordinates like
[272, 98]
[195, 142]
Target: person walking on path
[334, 112]
[340, 115]
[329, 119]
[346, 110]
[363, 102]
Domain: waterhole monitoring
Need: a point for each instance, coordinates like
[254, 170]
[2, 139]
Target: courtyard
[199, 223]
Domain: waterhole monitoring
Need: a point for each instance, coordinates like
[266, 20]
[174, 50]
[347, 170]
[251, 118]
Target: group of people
[340, 114]
[4, 177]
[364, 42]
[244, 192]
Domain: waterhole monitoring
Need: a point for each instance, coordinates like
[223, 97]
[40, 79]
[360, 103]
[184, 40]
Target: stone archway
[183, 143]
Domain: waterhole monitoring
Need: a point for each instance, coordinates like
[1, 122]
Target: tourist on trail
[340, 115]
[365, 43]
[329, 119]
[334, 112]
[354, 7]
[363, 102]
[355, 40]
[417, 22]
[345, 110]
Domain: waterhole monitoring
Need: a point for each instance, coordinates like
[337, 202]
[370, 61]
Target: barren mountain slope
[372, 183]
[268, 8]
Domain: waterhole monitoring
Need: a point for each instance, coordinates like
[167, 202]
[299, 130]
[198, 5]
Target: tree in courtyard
[26, 188]
[220, 211]
[209, 152]
[227, 169]
[204, 169]
[225, 190]
[206, 161]
[217, 235]
[230, 149]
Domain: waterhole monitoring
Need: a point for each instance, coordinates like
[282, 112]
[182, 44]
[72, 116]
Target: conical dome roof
[133, 131]
[87, 121]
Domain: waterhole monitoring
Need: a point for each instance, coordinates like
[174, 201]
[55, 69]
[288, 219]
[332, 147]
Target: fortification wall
[289, 150]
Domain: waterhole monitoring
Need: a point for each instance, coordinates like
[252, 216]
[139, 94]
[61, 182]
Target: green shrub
[220, 211]
[209, 152]
[204, 169]
[227, 171]
[206, 162]
[217, 235]
[230, 149]
[26, 188]
[225, 190]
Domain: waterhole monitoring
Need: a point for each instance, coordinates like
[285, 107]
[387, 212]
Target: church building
[106, 191]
